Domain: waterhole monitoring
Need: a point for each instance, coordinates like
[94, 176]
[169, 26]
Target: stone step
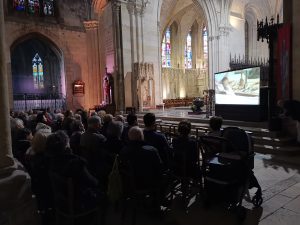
[278, 141]
[291, 150]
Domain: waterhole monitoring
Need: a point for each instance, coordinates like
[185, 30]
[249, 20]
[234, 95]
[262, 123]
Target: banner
[284, 63]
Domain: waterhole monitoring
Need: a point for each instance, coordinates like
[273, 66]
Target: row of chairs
[212, 154]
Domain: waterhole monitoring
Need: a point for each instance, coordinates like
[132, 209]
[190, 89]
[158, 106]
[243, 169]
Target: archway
[38, 79]
[184, 49]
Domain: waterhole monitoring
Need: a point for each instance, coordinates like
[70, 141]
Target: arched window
[166, 49]
[205, 43]
[35, 7]
[37, 72]
[188, 57]
[48, 7]
[19, 5]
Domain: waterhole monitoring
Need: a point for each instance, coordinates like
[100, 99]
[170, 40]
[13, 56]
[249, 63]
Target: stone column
[134, 96]
[16, 204]
[119, 68]
[6, 159]
[95, 83]
[296, 48]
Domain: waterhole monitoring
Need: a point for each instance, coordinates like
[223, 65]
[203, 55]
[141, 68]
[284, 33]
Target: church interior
[175, 112]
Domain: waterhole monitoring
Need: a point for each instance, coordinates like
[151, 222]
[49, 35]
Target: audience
[157, 140]
[215, 124]
[84, 147]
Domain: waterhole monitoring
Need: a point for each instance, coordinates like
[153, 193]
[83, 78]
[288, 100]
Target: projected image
[240, 87]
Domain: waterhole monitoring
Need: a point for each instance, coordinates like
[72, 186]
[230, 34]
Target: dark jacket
[93, 150]
[143, 164]
[87, 190]
[159, 141]
[186, 156]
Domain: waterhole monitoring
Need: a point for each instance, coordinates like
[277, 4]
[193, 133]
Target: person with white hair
[37, 168]
[143, 159]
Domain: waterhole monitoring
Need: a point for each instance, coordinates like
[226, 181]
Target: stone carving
[91, 24]
[145, 84]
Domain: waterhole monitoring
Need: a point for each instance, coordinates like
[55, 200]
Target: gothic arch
[43, 42]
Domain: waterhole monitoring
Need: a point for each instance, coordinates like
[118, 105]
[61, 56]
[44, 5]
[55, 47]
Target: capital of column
[224, 30]
[130, 7]
[211, 38]
[116, 5]
[91, 24]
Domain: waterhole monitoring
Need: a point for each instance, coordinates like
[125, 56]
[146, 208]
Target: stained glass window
[205, 45]
[188, 57]
[38, 72]
[35, 7]
[19, 5]
[166, 49]
[48, 7]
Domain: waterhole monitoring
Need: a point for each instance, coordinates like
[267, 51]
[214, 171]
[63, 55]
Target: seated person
[157, 140]
[131, 122]
[22, 143]
[37, 166]
[114, 144]
[107, 119]
[215, 124]
[92, 145]
[186, 156]
[142, 161]
[77, 129]
[65, 164]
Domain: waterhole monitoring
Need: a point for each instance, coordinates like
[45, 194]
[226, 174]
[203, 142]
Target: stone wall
[66, 32]
[182, 83]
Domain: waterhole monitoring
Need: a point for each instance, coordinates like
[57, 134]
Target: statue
[108, 90]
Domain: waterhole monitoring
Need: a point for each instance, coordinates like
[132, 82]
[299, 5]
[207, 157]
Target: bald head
[136, 134]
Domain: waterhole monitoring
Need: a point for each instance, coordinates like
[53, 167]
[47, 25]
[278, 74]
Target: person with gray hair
[114, 144]
[143, 159]
[92, 145]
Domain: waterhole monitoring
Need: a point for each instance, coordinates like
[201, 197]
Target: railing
[27, 101]
[238, 62]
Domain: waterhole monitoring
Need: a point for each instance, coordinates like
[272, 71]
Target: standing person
[155, 139]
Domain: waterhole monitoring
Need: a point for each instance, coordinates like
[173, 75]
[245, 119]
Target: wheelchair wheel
[257, 200]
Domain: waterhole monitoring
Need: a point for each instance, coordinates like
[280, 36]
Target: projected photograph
[240, 87]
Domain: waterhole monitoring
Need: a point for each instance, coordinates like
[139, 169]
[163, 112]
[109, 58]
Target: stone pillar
[296, 47]
[95, 83]
[134, 95]
[16, 204]
[119, 67]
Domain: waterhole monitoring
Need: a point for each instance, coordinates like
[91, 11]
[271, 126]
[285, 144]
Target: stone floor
[281, 192]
